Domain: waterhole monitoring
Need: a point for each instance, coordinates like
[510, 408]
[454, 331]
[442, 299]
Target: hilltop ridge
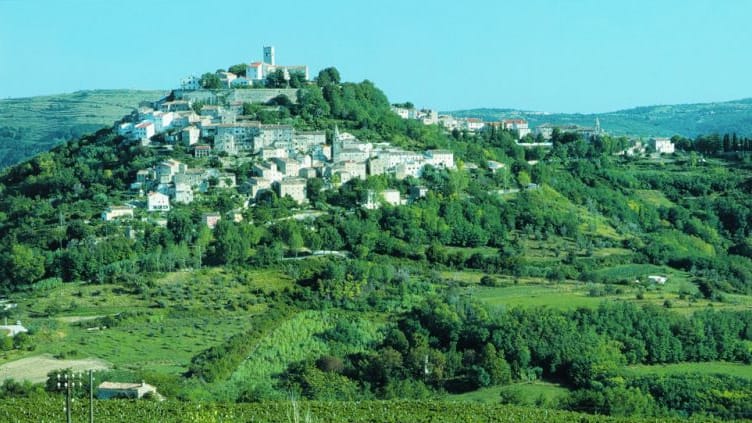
[31, 125]
[687, 120]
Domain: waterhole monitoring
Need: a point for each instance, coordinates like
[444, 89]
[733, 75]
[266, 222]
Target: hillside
[35, 124]
[688, 120]
[560, 279]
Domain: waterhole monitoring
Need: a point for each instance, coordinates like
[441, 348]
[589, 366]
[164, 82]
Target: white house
[474, 124]
[294, 187]
[191, 83]
[305, 140]
[287, 167]
[440, 158]
[211, 219]
[13, 330]
[143, 131]
[662, 145]
[660, 280]
[255, 186]
[107, 390]
[116, 212]
[190, 135]
[519, 125]
[157, 201]
[183, 193]
[125, 128]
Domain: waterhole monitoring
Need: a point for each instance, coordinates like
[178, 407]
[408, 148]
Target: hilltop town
[212, 123]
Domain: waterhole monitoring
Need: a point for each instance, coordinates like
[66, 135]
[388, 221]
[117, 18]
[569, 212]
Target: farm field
[709, 368]
[542, 393]
[156, 328]
[35, 369]
[48, 409]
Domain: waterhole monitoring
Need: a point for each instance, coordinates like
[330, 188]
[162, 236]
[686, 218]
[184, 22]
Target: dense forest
[391, 315]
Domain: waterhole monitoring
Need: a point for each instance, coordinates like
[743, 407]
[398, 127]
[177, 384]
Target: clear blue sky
[550, 55]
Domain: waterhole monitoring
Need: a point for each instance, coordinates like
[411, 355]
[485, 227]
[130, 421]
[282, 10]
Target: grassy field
[158, 327]
[530, 393]
[562, 296]
[715, 367]
[678, 292]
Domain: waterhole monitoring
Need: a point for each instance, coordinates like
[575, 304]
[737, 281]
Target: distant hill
[688, 120]
[34, 124]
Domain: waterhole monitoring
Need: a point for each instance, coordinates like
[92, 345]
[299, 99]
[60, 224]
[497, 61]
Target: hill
[688, 120]
[35, 124]
[541, 282]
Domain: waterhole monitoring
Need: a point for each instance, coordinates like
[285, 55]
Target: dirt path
[35, 369]
[76, 319]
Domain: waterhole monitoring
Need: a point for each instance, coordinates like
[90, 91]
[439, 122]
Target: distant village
[210, 123]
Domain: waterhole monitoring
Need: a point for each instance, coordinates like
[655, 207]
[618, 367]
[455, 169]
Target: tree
[328, 76]
[229, 247]
[311, 104]
[210, 81]
[240, 69]
[276, 79]
[523, 178]
[181, 226]
[24, 265]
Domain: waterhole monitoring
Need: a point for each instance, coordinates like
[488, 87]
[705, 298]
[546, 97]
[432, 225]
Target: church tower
[597, 126]
[269, 55]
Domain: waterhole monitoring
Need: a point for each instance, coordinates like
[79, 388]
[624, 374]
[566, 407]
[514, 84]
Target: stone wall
[250, 95]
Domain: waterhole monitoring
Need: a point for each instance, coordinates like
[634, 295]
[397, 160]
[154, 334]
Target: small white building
[256, 186]
[143, 131]
[125, 129]
[211, 219]
[474, 124]
[287, 167]
[190, 83]
[107, 390]
[13, 330]
[662, 145]
[156, 201]
[519, 125]
[117, 212]
[660, 280]
[440, 158]
[183, 193]
[190, 135]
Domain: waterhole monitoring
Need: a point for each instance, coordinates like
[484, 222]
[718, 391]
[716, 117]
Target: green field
[159, 327]
[563, 296]
[709, 368]
[49, 409]
[529, 393]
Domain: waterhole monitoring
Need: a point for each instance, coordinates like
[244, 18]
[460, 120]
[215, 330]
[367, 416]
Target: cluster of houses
[521, 128]
[169, 181]
[286, 164]
[255, 72]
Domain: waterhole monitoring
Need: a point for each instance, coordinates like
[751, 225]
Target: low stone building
[108, 390]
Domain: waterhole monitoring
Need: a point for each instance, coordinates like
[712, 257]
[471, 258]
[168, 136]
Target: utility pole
[91, 396]
[67, 383]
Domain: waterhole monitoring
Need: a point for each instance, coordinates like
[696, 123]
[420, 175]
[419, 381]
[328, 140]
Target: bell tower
[269, 55]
